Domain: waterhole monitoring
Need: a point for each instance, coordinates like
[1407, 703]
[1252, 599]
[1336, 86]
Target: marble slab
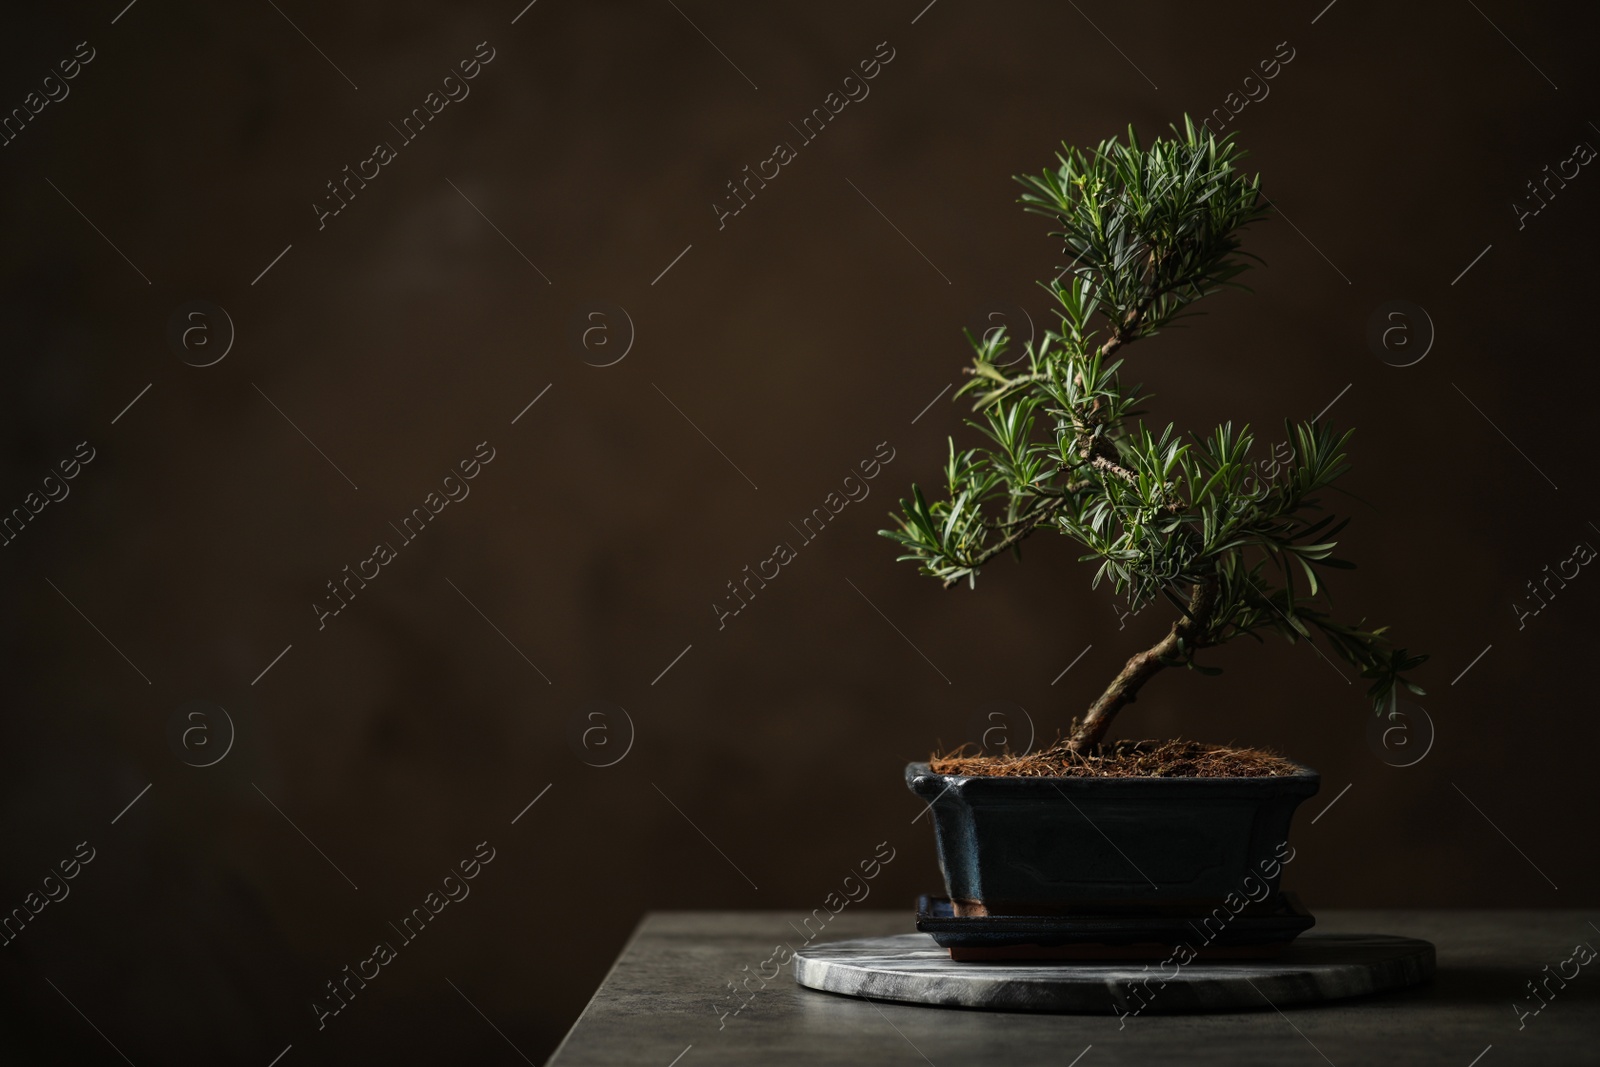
[911, 969]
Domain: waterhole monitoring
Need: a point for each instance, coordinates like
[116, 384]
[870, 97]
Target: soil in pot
[1120, 759]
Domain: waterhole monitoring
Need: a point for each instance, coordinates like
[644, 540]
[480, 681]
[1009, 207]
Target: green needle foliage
[1150, 231]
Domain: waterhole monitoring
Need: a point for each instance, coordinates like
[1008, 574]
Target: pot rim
[1302, 776]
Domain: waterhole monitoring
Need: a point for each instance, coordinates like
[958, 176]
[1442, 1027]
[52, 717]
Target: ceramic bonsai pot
[1108, 846]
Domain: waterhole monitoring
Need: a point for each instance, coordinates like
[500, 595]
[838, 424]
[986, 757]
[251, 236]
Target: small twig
[990, 553]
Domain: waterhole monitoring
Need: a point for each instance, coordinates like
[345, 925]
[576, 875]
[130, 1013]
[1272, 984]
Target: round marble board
[1316, 967]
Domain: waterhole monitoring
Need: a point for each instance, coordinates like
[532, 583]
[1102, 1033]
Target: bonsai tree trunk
[1185, 635]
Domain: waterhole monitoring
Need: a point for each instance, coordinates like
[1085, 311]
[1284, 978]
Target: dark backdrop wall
[564, 206]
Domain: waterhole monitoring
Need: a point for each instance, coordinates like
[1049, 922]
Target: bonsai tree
[1149, 232]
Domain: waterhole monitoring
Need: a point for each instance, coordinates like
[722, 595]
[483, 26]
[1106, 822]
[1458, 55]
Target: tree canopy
[1150, 231]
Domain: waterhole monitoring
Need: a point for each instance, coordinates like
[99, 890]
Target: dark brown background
[797, 338]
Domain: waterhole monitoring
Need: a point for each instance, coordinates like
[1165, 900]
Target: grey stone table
[664, 1001]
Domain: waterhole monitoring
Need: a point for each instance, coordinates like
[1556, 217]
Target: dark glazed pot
[1096, 846]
